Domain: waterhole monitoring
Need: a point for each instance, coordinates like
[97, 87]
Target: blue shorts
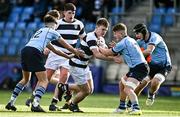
[139, 72]
[32, 60]
[154, 69]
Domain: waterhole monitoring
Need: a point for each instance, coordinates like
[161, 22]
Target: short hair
[119, 27]
[49, 19]
[69, 6]
[54, 13]
[102, 21]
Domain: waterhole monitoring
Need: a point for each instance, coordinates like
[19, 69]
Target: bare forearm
[103, 57]
[67, 46]
[61, 54]
[146, 52]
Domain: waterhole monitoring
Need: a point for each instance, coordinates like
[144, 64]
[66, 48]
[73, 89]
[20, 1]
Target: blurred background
[20, 18]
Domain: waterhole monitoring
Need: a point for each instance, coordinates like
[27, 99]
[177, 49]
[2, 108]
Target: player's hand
[118, 59]
[112, 44]
[46, 51]
[71, 56]
[148, 57]
[79, 53]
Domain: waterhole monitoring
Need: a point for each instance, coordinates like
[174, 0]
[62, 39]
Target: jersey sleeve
[82, 31]
[91, 42]
[118, 48]
[154, 41]
[55, 35]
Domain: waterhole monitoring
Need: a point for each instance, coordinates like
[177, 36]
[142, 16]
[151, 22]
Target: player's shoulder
[91, 35]
[155, 35]
[76, 21]
[53, 31]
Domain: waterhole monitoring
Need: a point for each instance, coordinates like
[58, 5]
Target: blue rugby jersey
[130, 51]
[160, 56]
[42, 37]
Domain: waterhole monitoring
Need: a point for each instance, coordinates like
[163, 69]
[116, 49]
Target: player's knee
[158, 78]
[24, 81]
[86, 92]
[91, 90]
[127, 90]
[146, 80]
[155, 83]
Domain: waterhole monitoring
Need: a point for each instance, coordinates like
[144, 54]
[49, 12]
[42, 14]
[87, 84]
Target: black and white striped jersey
[70, 32]
[86, 45]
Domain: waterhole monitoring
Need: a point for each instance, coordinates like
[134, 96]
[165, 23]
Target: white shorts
[55, 61]
[80, 75]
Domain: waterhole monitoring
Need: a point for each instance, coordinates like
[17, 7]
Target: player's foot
[75, 108]
[36, 109]
[61, 91]
[10, 107]
[66, 106]
[118, 110]
[53, 107]
[150, 100]
[29, 102]
[136, 112]
[129, 106]
[129, 109]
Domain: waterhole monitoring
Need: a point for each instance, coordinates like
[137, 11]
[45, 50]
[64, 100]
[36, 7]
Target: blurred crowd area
[40, 7]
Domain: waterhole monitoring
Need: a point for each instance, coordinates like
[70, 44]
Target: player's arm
[70, 48]
[58, 52]
[149, 50]
[106, 52]
[97, 54]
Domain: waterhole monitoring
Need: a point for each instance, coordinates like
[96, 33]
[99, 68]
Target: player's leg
[64, 74]
[129, 86]
[139, 89]
[90, 82]
[39, 91]
[155, 85]
[49, 72]
[18, 89]
[83, 93]
[74, 89]
[122, 96]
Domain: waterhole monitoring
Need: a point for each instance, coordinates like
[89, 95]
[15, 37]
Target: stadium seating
[17, 10]
[14, 41]
[11, 50]
[28, 10]
[7, 33]
[157, 19]
[89, 26]
[169, 17]
[21, 26]
[112, 72]
[10, 25]
[2, 24]
[116, 10]
[13, 17]
[2, 50]
[18, 34]
[4, 41]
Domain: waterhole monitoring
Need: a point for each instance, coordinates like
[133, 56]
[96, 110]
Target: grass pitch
[101, 105]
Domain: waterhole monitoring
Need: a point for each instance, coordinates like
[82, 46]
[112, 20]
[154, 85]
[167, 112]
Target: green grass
[100, 105]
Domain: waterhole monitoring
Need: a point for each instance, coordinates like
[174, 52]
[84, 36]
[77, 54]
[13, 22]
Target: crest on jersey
[75, 26]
